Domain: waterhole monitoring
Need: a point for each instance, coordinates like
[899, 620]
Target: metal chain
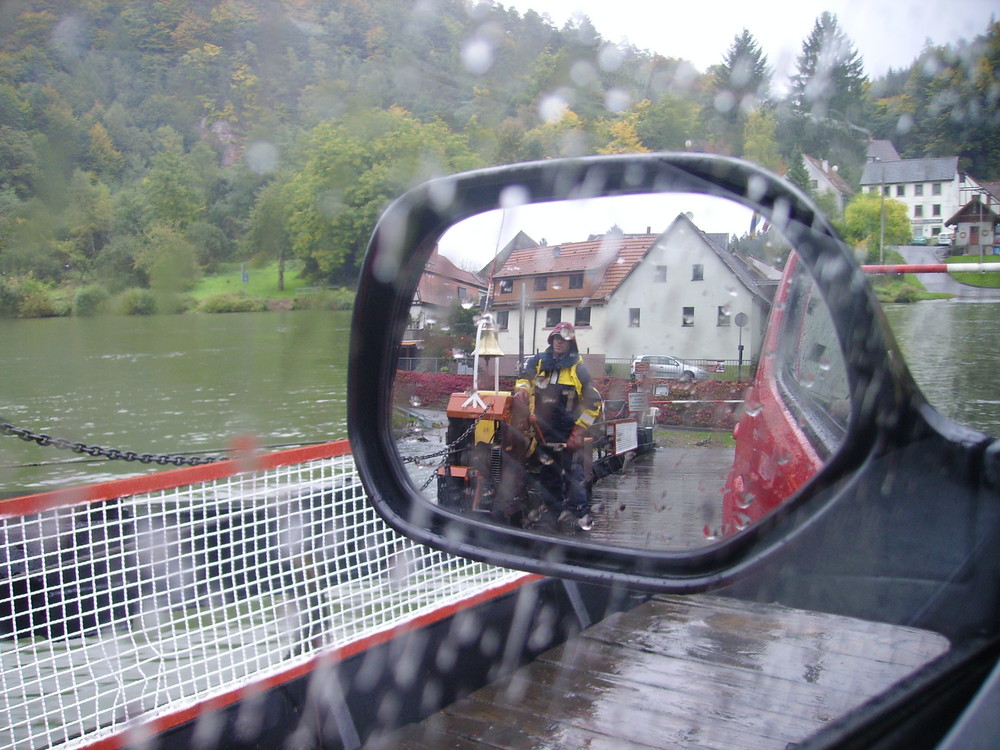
[448, 449]
[177, 460]
[110, 453]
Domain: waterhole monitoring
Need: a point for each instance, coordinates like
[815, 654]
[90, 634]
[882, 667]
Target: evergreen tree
[797, 174]
[745, 73]
[741, 84]
[830, 80]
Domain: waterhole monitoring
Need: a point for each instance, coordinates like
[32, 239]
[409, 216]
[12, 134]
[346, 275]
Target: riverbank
[235, 288]
[239, 287]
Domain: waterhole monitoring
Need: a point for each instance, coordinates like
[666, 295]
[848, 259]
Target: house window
[576, 281]
[936, 209]
[886, 189]
[687, 317]
[918, 212]
[463, 292]
[936, 188]
[633, 317]
[900, 191]
[506, 286]
[582, 317]
[725, 316]
[552, 317]
[814, 184]
[503, 318]
[660, 274]
[697, 272]
[541, 284]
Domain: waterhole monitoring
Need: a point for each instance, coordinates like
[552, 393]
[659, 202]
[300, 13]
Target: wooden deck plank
[684, 672]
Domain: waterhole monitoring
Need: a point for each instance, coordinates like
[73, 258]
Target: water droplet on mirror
[745, 500]
[753, 408]
[477, 56]
[710, 534]
[416, 401]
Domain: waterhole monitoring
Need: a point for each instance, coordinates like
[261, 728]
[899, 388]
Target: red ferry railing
[133, 606]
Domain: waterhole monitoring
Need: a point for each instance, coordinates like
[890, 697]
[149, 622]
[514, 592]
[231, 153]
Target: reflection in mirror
[605, 368]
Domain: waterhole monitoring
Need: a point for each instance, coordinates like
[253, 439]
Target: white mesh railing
[118, 611]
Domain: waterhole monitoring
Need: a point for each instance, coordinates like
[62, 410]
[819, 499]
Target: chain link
[448, 449]
[115, 454]
[110, 453]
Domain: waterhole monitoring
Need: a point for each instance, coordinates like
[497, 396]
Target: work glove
[521, 399]
[575, 440]
[519, 410]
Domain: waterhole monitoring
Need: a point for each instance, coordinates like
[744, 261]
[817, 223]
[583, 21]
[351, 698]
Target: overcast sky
[886, 33]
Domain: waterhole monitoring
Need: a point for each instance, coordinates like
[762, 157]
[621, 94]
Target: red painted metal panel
[162, 480]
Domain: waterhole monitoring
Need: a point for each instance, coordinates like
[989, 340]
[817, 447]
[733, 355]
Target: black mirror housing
[881, 393]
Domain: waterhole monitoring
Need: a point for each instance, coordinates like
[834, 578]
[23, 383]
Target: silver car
[666, 367]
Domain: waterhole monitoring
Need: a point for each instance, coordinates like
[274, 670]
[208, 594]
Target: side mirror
[467, 278]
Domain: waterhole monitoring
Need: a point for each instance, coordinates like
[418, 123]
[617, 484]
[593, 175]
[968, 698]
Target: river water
[187, 384]
[166, 384]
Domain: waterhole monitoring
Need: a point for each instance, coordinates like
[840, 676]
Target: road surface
[943, 283]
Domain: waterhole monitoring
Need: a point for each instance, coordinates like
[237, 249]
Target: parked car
[945, 238]
[667, 367]
[918, 240]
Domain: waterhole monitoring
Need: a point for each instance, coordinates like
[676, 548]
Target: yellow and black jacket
[564, 394]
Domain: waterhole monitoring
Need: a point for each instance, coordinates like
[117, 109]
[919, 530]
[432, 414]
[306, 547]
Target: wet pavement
[667, 499]
[664, 500]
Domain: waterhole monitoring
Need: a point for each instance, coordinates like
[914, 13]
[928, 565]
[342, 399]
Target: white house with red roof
[676, 293]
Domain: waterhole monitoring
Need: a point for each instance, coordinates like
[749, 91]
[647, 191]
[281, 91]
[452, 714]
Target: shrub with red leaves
[431, 390]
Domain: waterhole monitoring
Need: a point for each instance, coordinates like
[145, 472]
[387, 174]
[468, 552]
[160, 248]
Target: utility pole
[881, 218]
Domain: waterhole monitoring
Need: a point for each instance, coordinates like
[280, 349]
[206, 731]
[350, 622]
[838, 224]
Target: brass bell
[488, 345]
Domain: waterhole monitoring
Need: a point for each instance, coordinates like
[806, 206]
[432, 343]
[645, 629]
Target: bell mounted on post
[487, 345]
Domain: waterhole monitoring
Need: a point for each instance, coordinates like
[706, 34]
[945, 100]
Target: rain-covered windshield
[187, 190]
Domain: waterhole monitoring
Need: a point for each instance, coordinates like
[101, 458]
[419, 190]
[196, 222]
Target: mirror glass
[649, 371]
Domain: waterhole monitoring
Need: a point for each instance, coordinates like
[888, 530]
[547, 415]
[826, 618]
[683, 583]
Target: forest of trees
[143, 143]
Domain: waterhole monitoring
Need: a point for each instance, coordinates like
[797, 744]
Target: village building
[678, 293]
[931, 189]
[826, 179]
[976, 225]
[442, 286]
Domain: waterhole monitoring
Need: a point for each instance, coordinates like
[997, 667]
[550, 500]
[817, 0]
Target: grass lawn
[977, 278]
[672, 437]
[261, 282]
